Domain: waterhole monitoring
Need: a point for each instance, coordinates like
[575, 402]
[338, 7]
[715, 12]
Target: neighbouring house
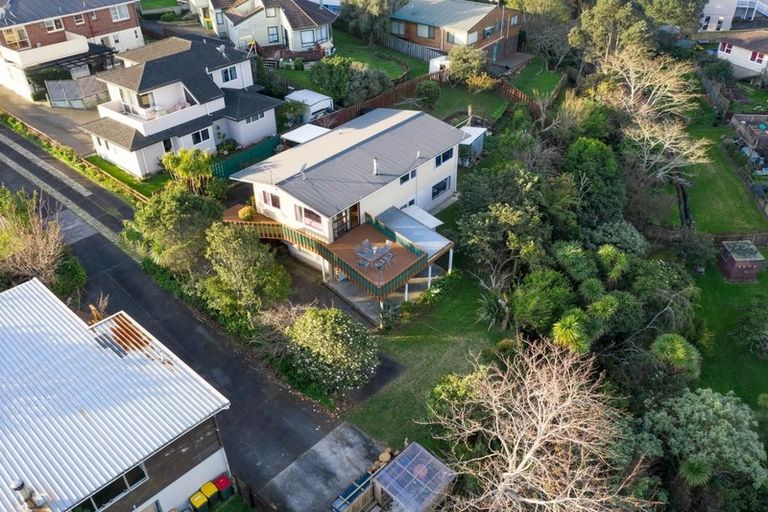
[471, 148]
[721, 14]
[99, 417]
[740, 261]
[328, 196]
[277, 28]
[747, 51]
[317, 104]
[443, 24]
[67, 39]
[179, 93]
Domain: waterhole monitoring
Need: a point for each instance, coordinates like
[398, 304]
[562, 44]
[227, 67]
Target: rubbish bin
[199, 502]
[211, 492]
[224, 485]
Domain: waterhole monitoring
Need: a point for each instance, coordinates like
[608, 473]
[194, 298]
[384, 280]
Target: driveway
[59, 123]
[268, 426]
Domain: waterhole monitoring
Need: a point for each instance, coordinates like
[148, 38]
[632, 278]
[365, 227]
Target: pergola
[416, 480]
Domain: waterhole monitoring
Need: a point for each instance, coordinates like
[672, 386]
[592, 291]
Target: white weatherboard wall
[244, 77]
[740, 57]
[140, 163]
[122, 40]
[14, 79]
[286, 213]
[176, 495]
[247, 133]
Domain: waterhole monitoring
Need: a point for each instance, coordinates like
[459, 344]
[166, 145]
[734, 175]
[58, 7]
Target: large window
[273, 35]
[200, 136]
[425, 31]
[270, 199]
[757, 57]
[219, 18]
[441, 187]
[450, 37]
[307, 38]
[16, 38]
[119, 12]
[54, 25]
[398, 28]
[229, 74]
[254, 118]
[309, 218]
[113, 490]
[444, 157]
[321, 34]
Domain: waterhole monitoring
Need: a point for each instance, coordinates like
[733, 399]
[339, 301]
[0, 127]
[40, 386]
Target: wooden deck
[344, 248]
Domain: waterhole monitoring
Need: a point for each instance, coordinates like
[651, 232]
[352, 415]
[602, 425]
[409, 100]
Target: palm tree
[570, 331]
[695, 471]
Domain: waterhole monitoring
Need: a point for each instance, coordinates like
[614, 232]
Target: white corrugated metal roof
[474, 132]
[80, 405]
[425, 238]
[423, 216]
[305, 133]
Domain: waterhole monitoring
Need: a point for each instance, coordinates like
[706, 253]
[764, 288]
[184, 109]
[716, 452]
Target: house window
[322, 34]
[513, 20]
[307, 38]
[106, 143]
[425, 31]
[16, 38]
[441, 187]
[488, 32]
[409, 203]
[726, 47]
[398, 28]
[719, 24]
[312, 219]
[450, 37]
[757, 57]
[270, 199]
[254, 118]
[705, 23]
[167, 145]
[444, 157]
[472, 38]
[200, 136]
[115, 39]
[54, 25]
[229, 74]
[119, 12]
[271, 12]
[405, 178]
[98, 141]
[114, 490]
[219, 18]
[79, 19]
[273, 35]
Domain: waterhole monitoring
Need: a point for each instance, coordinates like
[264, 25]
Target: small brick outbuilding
[740, 261]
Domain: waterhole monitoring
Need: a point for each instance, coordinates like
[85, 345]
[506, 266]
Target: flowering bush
[332, 349]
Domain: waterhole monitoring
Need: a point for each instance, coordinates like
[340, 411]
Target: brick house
[99, 417]
[73, 36]
[443, 24]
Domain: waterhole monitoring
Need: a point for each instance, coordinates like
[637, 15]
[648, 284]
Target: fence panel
[242, 159]
[412, 49]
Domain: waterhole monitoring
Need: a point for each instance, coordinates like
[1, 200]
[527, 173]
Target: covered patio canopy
[413, 227]
[416, 480]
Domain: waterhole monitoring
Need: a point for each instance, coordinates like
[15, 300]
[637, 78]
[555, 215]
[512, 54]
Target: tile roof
[242, 103]
[303, 13]
[756, 40]
[457, 14]
[338, 166]
[79, 404]
[19, 12]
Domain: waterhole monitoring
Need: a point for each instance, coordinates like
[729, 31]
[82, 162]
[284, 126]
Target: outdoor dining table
[372, 254]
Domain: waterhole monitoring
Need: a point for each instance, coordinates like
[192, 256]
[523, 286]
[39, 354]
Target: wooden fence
[671, 234]
[717, 94]
[412, 49]
[251, 498]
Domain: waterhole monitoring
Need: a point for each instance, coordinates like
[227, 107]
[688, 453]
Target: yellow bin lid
[198, 500]
[209, 489]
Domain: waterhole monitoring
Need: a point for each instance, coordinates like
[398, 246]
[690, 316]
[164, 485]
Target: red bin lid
[222, 482]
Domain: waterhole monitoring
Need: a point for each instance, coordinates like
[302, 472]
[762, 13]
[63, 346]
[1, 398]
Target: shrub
[227, 147]
[69, 278]
[480, 83]
[332, 349]
[298, 64]
[429, 92]
[577, 263]
[465, 61]
[247, 213]
[168, 17]
[541, 299]
[621, 234]
[721, 70]
[591, 289]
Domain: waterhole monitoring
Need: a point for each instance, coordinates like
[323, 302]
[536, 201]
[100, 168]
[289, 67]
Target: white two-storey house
[179, 93]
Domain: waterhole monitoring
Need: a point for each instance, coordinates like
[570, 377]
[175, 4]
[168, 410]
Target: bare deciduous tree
[548, 36]
[537, 433]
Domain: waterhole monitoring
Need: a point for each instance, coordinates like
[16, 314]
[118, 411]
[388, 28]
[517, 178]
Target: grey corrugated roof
[19, 12]
[80, 405]
[242, 103]
[131, 139]
[426, 239]
[339, 164]
[303, 13]
[458, 14]
[174, 60]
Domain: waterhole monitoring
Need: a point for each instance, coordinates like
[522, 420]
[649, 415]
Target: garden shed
[415, 481]
[471, 147]
[740, 260]
[317, 103]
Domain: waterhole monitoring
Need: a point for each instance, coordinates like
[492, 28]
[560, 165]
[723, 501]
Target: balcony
[28, 57]
[154, 119]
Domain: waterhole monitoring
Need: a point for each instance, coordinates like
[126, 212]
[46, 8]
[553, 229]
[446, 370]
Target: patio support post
[450, 261]
[381, 316]
[406, 292]
[429, 276]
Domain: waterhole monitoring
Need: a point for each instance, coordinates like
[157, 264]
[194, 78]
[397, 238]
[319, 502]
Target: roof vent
[32, 500]
[302, 171]
[223, 51]
[418, 154]
[375, 166]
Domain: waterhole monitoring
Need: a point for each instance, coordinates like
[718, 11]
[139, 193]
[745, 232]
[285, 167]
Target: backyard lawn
[157, 4]
[454, 100]
[534, 78]
[147, 187]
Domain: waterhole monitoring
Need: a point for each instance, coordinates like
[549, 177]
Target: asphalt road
[268, 426]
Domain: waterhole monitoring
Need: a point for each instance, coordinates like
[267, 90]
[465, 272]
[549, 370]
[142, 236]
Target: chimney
[375, 166]
[31, 499]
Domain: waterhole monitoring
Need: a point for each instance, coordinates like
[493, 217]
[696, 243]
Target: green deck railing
[242, 159]
[277, 231]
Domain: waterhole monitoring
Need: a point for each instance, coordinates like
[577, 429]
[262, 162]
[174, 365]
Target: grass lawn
[234, 504]
[720, 202]
[730, 366]
[147, 187]
[437, 340]
[534, 77]
[455, 100]
[758, 100]
[157, 4]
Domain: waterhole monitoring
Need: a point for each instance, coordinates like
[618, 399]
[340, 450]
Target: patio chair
[363, 263]
[388, 244]
[359, 250]
[366, 245]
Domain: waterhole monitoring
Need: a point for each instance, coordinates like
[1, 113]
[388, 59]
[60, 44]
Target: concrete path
[268, 426]
[59, 123]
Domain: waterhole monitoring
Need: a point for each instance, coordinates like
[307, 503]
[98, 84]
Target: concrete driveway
[268, 426]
